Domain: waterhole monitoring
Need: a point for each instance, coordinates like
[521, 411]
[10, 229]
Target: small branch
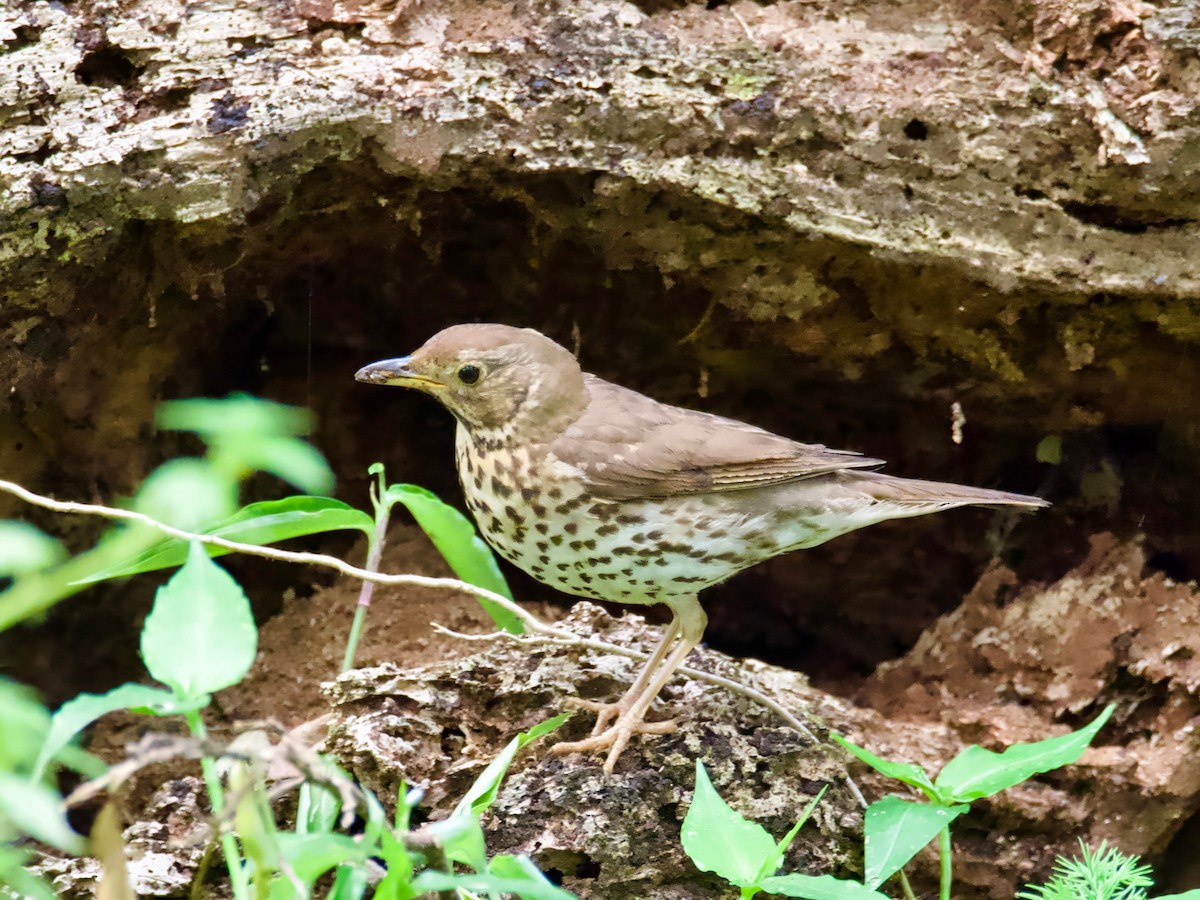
[537, 628]
[151, 749]
[746, 28]
[315, 559]
[291, 748]
[546, 634]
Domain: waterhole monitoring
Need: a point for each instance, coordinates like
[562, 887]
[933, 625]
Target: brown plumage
[603, 492]
[671, 451]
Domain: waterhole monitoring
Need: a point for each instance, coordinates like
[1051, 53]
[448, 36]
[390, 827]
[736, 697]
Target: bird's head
[496, 379]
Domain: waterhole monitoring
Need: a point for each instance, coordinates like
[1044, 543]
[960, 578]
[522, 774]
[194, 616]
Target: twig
[746, 28]
[313, 767]
[542, 633]
[151, 749]
[157, 748]
[536, 626]
[316, 559]
[708, 310]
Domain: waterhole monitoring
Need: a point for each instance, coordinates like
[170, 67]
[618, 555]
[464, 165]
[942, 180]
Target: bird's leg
[606, 712]
[691, 621]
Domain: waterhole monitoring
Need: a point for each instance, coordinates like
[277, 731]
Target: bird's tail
[889, 488]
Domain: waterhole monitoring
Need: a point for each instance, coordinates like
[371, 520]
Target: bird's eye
[469, 374]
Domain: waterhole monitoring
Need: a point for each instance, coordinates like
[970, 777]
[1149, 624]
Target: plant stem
[197, 889]
[383, 513]
[947, 862]
[216, 799]
[906, 887]
[356, 629]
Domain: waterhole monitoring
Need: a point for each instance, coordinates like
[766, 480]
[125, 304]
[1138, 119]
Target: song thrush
[602, 492]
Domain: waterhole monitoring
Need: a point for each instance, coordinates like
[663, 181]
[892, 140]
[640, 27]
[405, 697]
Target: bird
[605, 493]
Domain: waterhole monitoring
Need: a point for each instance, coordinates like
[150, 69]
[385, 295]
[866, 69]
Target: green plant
[455, 538]
[719, 840]
[200, 638]
[742, 852]
[198, 495]
[243, 434]
[895, 829]
[1103, 874]
[28, 806]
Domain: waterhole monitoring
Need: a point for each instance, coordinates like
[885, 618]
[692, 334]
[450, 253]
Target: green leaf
[246, 433]
[253, 821]
[258, 523]
[312, 855]
[483, 792]
[406, 802]
[281, 889]
[461, 838]
[819, 887]
[23, 726]
[75, 715]
[1186, 895]
[977, 772]
[14, 875]
[896, 829]
[518, 869]
[456, 539]
[719, 840]
[397, 884]
[24, 548]
[491, 882]
[350, 883]
[186, 493]
[78, 760]
[909, 773]
[773, 862]
[200, 636]
[36, 811]
[317, 808]
[237, 414]
[291, 459]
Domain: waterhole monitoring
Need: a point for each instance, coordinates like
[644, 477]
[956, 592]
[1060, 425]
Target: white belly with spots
[643, 551]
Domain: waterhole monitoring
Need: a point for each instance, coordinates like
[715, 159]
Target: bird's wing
[628, 446]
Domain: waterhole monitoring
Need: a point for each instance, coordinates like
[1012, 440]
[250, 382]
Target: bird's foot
[616, 737]
[605, 712]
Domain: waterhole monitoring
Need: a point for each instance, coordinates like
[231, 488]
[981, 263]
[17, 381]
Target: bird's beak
[394, 371]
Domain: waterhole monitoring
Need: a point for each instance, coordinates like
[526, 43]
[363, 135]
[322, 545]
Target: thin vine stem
[947, 863]
[216, 799]
[537, 628]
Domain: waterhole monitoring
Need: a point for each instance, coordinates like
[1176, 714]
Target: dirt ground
[1013, 663]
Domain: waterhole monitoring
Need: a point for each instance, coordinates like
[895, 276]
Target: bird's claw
[605, 712]
[613, 738]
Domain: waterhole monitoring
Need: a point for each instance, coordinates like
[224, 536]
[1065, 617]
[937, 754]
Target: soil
[1009, 665]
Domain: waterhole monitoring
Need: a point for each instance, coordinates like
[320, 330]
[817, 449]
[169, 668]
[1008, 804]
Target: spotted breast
[531, 509]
